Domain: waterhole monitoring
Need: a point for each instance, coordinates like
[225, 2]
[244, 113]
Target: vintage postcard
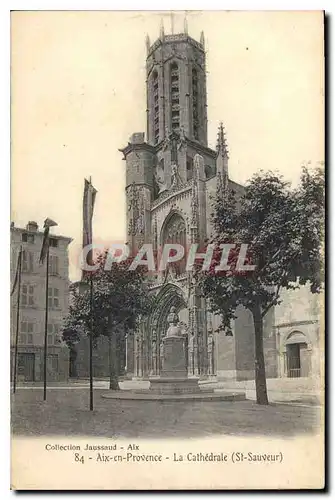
[167, 259]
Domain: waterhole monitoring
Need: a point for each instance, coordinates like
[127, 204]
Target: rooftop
[33, 228]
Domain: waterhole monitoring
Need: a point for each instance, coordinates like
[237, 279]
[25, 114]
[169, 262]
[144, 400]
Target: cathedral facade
[171, 178]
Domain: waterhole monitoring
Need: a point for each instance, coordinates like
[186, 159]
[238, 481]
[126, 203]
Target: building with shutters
[32, 304]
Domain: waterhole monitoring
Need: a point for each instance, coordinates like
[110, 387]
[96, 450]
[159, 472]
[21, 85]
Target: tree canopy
[120, 298]
[284, 231]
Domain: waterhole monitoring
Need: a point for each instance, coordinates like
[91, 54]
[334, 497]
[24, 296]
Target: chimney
[32, 226]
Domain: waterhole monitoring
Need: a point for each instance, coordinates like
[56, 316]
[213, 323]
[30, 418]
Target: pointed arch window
[174, 90]
[175, 232]
[189, 165]
[195, 103]
[155, 92]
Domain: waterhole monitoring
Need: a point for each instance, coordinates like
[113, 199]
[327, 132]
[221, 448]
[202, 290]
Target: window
[53, 242]
[53, 331]
[27, 327]
[195, 104]
[189, 163]
[27, 295]
[175, 232]
[208, 171]
[27, 261]
[156, 106]
[53, 297]
[26, 332]
[53, 264]
[174, 90]
[28, 238]
[52, 362]
[50, 333]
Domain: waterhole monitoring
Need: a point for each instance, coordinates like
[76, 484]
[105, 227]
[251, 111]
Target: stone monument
[173, 377]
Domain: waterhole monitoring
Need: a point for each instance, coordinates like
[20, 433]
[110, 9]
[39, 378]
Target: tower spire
[185, 25]
[221, 146]
[161, 31]
[147, 43]
[202, 39]
[222, 163]
[172, 22]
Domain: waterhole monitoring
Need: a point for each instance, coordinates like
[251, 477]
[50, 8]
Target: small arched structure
[170, 295]
[297, 352]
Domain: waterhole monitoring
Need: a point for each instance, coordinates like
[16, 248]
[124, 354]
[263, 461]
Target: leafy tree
[120, 299]
[283, 228]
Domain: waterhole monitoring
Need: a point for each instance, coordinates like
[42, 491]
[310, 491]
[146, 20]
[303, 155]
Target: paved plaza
[66, 412]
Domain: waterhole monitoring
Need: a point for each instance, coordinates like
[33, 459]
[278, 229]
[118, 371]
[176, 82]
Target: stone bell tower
[177, 105]
[176, 88]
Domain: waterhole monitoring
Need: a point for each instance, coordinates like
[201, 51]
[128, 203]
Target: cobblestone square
[66, 412]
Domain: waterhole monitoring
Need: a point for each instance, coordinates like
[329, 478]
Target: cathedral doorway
[169, 296]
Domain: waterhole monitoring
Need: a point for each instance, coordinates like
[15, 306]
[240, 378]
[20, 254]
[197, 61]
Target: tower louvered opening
[174, 89]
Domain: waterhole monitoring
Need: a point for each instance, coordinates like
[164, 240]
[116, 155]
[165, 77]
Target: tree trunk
[260, 377]
[113, 375]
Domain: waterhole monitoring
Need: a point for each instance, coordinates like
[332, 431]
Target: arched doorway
[169, 296]
[298, 359]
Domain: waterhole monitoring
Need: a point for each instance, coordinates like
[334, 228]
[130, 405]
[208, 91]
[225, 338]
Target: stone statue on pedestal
[173, 353]
[174, 329]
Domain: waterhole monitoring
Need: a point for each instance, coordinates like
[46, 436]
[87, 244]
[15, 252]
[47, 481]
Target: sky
[78, 93]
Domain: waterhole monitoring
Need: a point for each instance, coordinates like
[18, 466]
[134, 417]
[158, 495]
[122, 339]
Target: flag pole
[46, 325]
[91, 343]
[88, 206]
[91, 336]
[17, 319]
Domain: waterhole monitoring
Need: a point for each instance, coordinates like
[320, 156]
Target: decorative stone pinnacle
[185, 26]
[202, 39]
[161, 31]
[147, 42]
[221, 146]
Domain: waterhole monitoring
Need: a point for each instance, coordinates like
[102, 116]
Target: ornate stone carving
[174, 144]
[182, 138]
[194, 208]
[139, 224]
[175, 230]
[132, 197]
[154, 234]
[199, 167]
[159, 177]
[176, 181]
[173, 321]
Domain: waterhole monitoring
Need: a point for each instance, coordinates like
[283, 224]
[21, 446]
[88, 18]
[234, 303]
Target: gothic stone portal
[148, 345]
[170, 296]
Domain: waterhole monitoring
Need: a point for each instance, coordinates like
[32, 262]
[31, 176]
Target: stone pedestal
[174, 358]
[173, 378]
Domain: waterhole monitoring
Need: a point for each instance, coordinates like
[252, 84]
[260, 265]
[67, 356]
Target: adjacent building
[33, 301]
[298, 337]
